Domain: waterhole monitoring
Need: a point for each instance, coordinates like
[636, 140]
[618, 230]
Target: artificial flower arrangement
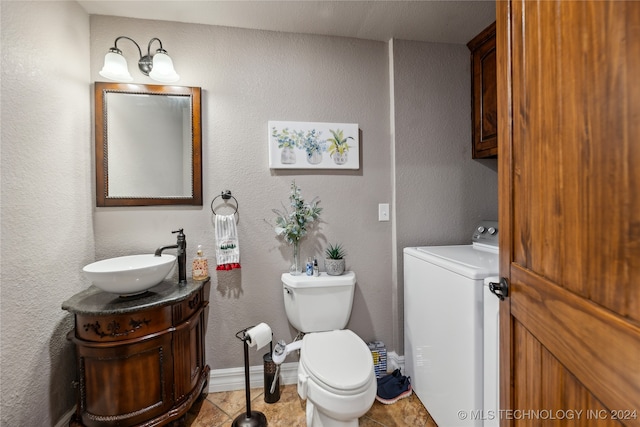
[292, 226]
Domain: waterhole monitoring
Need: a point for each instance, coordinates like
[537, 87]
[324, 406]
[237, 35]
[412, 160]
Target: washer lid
[339, 359]
[466, 260]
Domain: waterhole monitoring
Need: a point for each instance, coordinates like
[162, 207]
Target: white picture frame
[313, 145]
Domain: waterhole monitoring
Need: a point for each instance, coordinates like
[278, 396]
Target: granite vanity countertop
[98, 302]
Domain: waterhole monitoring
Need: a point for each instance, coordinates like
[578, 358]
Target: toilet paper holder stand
[249, 418]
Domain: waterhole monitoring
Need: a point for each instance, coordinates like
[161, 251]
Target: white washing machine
[451, 329]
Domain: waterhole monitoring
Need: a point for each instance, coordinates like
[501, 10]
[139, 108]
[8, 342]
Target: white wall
[46, 204]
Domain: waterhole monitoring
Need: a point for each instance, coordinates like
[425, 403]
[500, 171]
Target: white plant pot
[288, 156]
[314, 157]
[340, 159]
[334, 267]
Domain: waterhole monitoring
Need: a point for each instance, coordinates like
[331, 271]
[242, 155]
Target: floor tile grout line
[244, 409]
[220, 409]
[374, 420]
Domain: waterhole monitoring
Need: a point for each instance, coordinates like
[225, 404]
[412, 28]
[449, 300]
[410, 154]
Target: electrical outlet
[383, 212]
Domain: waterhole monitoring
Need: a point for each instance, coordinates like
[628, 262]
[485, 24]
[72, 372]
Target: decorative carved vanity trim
[114, 328]
[194, 302]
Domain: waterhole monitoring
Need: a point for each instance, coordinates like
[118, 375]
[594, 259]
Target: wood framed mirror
[148, 144]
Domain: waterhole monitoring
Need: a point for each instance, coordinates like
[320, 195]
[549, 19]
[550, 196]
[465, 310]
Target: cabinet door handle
[500, 289]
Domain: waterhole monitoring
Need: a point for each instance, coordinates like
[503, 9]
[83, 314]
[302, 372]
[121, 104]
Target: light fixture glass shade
[163, 70]
[115, 68]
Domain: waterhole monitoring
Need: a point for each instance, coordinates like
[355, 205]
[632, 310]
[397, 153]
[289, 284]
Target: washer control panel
[486, 233]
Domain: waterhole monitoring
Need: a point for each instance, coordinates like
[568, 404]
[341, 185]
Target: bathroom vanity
[141, 359]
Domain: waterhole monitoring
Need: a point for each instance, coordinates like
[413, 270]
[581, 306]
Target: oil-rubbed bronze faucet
[181, 247]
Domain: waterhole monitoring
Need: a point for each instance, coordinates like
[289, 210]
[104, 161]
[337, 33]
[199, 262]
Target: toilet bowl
[335, 373]
[336, 376]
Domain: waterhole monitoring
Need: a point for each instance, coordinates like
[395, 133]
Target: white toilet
[335, 372]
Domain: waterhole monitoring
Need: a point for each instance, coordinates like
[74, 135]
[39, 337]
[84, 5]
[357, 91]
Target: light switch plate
[383, 212]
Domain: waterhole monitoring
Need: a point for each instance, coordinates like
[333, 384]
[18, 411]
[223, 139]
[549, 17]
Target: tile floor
[220, 409]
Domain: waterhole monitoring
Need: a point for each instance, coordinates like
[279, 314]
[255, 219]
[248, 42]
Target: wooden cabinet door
[484, 109]
[188, 350]
[569, 178]
[124, 384]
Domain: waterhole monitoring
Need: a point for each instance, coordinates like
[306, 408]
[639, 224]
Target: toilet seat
[338, 361]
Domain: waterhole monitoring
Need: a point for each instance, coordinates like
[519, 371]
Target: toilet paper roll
[259, 336]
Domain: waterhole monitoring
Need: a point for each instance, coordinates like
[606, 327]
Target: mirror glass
[148, 145]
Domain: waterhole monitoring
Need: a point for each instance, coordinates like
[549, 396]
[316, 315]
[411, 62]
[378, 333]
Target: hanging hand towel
[227, 247]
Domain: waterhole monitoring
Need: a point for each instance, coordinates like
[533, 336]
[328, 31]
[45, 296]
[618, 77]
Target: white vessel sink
[129, 275]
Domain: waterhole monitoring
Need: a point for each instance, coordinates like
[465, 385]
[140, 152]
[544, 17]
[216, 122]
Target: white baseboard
[233, 378]
[394, 361]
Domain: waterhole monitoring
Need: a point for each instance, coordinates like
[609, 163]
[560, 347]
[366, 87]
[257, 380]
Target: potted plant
[286, 142]
[338, 148]
[312, 144]
[334, 262]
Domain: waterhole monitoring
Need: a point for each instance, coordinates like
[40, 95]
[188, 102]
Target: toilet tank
[316, 304]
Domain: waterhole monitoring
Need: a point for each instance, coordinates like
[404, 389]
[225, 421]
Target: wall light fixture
[158, 66]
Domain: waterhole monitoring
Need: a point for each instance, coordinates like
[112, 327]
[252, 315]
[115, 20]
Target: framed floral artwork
[313, 145]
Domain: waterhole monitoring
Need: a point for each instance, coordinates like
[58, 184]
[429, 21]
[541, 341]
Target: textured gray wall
[46, 206]
[440, 192]
[249, 77]
[414, 152]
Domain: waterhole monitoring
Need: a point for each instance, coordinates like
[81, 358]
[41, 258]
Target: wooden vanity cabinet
[139, 365]
[188, 346]
[484, 94]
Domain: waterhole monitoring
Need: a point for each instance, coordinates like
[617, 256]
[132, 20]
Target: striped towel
[227, 246]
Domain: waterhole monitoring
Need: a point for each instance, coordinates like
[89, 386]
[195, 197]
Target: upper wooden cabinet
[484, 106]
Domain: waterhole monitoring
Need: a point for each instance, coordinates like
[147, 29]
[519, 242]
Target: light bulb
[115, 67]
[163, 70]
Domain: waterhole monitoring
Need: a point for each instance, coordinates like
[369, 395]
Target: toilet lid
[338, 359]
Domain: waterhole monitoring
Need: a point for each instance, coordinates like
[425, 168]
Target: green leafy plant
[309, 141]
[338, 144]
[292, 226]
[284, 138]
[335, 251]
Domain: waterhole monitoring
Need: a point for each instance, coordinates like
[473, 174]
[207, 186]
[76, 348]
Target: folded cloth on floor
[227, 245]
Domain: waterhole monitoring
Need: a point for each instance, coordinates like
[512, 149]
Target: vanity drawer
[185, 309]
[119, 327]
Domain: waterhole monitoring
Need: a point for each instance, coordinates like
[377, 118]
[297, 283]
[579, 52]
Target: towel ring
[226, 195]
